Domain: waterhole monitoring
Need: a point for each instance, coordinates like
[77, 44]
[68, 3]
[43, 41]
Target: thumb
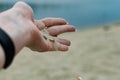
[24, 9]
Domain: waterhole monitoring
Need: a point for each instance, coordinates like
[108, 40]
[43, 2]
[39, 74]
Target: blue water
[81, 13]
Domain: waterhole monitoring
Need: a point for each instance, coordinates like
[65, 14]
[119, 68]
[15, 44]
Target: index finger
[53, 21]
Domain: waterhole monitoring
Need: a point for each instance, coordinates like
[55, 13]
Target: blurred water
[81, 13]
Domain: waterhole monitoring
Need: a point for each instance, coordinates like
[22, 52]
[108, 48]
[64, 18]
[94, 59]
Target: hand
[24, 30]
[55, 27]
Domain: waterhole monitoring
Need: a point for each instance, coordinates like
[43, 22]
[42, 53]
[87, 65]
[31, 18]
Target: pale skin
[19, 23]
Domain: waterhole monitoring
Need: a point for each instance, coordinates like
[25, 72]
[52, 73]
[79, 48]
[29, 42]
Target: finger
[62, 47]
[40, 25]
[50, 46]
[57, 47]
[63, 41]
[56, 30]
[53, 21]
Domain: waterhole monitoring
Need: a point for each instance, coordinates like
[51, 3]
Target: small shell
[79, 78]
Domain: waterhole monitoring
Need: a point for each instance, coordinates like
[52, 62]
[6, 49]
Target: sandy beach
[93, 55]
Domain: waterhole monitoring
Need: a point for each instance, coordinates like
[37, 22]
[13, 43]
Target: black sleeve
[8, 47]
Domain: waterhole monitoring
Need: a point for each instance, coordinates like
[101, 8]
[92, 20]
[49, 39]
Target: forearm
[14, 26]
[19, 37]
[16, 29]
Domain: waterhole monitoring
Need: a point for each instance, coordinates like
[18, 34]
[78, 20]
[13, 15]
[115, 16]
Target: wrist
[19, 35]
[18, 25]
[8, 47]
